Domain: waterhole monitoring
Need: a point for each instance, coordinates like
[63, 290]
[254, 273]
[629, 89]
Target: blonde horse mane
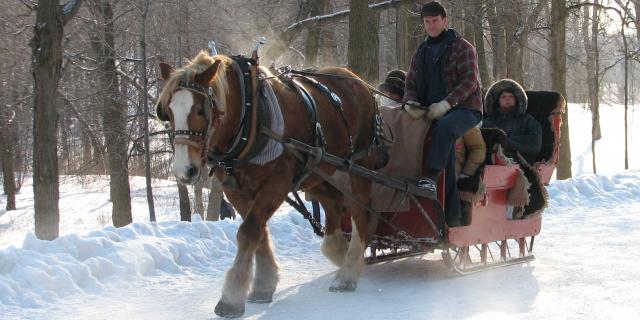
[195, 66]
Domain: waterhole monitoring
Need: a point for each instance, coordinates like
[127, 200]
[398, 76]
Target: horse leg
[334, 245]
[236, 284]
[250, 235]
[363, 225]
[266, 277]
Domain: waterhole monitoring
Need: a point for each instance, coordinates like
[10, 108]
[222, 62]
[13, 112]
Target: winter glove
[469, 184]
[413, 109]
[438, 109]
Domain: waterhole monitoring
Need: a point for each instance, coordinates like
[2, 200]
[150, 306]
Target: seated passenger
[393, 86]
[506, 108]
[470, 153]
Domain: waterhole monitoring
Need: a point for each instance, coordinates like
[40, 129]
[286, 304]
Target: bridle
[211, 113]
[230, 157]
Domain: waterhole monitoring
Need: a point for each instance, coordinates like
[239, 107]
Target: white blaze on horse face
[180, 106]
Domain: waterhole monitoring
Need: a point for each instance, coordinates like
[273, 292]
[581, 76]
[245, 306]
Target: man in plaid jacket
[443, 84]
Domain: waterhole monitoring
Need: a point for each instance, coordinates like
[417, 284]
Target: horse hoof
[227, 310]
[343, 286]
[260, 297]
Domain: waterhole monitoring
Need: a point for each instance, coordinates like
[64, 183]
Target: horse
[203, 101]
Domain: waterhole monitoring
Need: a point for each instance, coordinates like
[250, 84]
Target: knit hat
[397, 73]
[392, 85]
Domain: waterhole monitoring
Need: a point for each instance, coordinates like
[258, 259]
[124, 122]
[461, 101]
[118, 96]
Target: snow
[585, 264]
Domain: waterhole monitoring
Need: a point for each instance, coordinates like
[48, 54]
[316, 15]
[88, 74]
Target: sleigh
[493, 237]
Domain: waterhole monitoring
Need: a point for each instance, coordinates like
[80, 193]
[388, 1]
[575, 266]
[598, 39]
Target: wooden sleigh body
[492, 238]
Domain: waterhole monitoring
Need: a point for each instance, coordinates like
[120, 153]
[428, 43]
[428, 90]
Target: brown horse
[203, 103]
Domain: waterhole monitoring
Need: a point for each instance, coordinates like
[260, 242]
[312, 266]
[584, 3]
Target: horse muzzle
[188, 175]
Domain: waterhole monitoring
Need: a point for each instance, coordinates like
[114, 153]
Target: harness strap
[247, 142]
[311, 160]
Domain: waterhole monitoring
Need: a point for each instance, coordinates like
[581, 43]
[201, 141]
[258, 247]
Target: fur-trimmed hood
[492, 98]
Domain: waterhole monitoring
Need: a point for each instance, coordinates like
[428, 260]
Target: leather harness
[246, 68]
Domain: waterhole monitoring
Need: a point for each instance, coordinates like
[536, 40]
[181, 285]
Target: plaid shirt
[460, 73]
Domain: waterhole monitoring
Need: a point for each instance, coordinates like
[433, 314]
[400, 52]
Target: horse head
[193, 101]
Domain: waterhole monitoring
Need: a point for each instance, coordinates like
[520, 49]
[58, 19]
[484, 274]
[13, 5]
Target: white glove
[412, 108]
[438, 109]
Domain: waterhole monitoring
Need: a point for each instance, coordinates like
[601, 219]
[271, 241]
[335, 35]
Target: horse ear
[165, 71]
[206, 76]
[160, 113]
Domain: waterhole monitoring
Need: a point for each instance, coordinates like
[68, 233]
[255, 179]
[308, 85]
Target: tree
[46, 68]
[358, 52]
[593, 74]
[145, 111]
[185, 205]
[498, 44]
[8, 171]
[114, 113]
[215, 200]
[559, 82]
[408, 33]
[476, 11]
[313, 41]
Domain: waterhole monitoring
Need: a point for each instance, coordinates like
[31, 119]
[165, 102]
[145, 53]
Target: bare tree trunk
[183, 191]
[283, 40]
[185, 206]
[469, 17]
[64, 137]
[626, 96]
[497, 39]
[312, 43]
[114, 117]
[47, 61]
[513, 28]
[558, 81]
[408, 34]
[197, 195]
[593, 67]
[46, 66]
[475, 12]
[636, 5]
[373, 56]
[145, 113]
[358, 51]
[8, 173]
[215, 200]
[456, 16]
[87, 160]
[92, 148]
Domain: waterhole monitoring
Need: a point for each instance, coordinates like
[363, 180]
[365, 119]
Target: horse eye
[201, 112]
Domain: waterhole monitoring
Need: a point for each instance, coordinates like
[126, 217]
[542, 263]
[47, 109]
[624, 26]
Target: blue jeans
[442, 155]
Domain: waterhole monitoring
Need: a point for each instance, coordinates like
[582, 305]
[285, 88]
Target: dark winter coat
[524, 132]
[459, 72]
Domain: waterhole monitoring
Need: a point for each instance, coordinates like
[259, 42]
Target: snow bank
[594, 191]
[42, 271]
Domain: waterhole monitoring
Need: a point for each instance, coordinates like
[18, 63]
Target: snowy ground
[585, 258]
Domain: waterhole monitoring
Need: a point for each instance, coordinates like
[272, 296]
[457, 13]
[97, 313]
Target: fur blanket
[528, 191]
[405, 157]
